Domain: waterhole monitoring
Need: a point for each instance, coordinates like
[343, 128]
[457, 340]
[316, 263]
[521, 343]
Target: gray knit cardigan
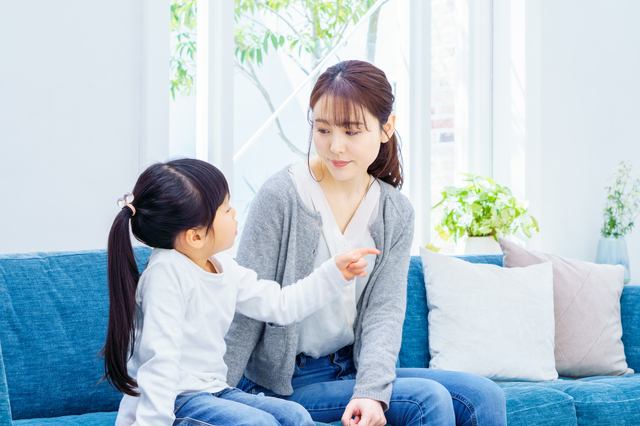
[279, 242]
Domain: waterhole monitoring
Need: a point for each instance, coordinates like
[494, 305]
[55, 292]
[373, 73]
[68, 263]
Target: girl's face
[224, 229]
[347, 149]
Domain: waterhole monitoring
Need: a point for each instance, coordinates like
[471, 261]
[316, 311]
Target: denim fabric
[232, 407]
[53, 321]
[605, 400]
[532, 404]
[630, 311]
[420, 396]
[93, 419]
[414, 352]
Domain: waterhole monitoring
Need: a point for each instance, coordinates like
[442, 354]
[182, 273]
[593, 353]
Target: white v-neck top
[331, 328]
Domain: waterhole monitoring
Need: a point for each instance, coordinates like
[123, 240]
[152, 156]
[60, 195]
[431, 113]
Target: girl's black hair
[169, 198]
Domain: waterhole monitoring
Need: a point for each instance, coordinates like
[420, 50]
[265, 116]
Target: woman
[340, 363]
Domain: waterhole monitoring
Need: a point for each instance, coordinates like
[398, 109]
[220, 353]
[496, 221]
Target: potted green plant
[620, 212]
[482, 209]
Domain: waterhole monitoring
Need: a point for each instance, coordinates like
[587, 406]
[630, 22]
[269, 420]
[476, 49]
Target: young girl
[165, 347]
[340, 362]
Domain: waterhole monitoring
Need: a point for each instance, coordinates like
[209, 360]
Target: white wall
[573, 69]
[590, 117]
[70, 114]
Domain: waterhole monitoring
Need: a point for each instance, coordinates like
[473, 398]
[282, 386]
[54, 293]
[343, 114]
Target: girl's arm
[267, 301]
[158, 345]
[383, 318]
[264, 229]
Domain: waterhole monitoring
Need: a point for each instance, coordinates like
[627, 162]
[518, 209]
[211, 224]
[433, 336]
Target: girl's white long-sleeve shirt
[183, 314]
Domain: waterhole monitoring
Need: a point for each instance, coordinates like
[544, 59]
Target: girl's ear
[193, 238]
[388, 128]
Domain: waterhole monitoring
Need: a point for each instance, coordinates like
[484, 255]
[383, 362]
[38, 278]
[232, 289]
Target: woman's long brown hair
[351, 88]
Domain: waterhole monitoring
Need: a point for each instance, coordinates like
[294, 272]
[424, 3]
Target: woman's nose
[337, 143]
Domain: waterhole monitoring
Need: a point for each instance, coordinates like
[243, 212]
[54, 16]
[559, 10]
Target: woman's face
[347, 149]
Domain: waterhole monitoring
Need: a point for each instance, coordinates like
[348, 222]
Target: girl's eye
[352, 133]
[323, 131]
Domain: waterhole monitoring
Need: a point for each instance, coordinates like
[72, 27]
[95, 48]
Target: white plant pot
[482, 245]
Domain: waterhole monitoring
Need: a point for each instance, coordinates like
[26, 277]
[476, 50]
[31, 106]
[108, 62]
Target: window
[262, 97]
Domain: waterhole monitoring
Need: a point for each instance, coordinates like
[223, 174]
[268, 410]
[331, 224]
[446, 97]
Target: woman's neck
[357, 186]
[343, 197]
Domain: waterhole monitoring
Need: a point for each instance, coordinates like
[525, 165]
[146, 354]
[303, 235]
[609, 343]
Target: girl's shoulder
[164, 268]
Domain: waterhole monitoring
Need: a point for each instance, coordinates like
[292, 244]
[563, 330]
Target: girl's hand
[365, 412]
[352, 263]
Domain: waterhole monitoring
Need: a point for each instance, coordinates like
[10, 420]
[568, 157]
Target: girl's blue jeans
[420, 396]
[232, 407]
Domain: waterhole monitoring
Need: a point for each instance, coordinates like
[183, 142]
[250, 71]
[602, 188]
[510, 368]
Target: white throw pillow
[491, 321]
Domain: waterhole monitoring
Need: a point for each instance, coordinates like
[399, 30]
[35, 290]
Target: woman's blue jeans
[420, 396]
[232, 407]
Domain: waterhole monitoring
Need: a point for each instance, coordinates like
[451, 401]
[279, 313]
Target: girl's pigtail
[123, 278]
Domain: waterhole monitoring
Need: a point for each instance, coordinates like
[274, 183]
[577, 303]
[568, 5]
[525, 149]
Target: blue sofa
[53, 316]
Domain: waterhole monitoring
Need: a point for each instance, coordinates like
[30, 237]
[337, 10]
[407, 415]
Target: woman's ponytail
[123, 278]
[388, 165]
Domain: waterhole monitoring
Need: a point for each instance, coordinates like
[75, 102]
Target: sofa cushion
[630, 312]
[533, 403]
[53, 319]
[489, 320]
[587, 312]
[92, 419]
[604, 400]
[5, 408]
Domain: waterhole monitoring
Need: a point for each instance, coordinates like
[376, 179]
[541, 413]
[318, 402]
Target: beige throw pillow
[587, 312]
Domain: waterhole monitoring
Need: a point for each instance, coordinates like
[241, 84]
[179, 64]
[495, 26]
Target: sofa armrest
[630, 312]
[5, 407]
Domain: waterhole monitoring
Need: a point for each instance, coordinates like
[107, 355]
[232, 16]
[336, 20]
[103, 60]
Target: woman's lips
[339, 163]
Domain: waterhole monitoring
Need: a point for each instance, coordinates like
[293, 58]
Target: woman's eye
[352, 133]
[323, 131]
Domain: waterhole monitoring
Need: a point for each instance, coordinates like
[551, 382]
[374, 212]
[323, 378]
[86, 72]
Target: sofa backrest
[630, 312]
[415, 334]
[53, 320]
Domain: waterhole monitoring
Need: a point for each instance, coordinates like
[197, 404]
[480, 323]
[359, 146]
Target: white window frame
[214, 85]
[154, 64]
[517, 104]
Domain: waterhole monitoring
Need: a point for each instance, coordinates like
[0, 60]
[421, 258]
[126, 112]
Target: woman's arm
[385, 306]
